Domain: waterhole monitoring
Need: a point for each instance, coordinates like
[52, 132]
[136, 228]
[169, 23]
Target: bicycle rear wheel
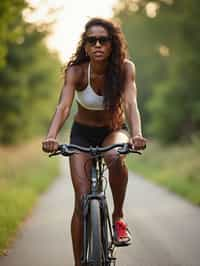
[94, 241]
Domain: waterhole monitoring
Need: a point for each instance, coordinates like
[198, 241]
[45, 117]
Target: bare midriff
[92, 118]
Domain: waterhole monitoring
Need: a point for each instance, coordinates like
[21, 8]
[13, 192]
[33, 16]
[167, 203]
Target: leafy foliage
[11, 25]
[163, 39]
[28, 81]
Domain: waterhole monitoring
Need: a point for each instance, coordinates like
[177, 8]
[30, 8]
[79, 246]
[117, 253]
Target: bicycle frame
[96, 199]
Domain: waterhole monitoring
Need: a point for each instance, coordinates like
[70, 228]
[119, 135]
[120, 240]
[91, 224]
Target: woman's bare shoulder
[76, 72]
[129, 68]
[129, 64]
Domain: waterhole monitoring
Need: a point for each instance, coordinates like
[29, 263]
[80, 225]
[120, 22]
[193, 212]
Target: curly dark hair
[114, 73]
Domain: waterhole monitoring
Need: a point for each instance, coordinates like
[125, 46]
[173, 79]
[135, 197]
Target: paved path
[165, 228]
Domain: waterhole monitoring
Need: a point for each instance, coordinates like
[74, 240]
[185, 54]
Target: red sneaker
[122, 235]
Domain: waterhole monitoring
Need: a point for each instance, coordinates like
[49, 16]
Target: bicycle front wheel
[95, 241]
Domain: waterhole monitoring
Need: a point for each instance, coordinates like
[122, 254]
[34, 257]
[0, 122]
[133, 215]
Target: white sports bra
[88, 97]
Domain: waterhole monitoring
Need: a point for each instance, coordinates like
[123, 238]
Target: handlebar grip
[63, 150]
[128, 149]
[144, 147]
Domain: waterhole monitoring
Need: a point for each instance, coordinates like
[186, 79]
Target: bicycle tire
[95, 241]
[105, 244]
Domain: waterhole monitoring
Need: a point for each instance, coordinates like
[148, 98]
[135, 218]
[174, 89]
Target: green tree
[175, 107]
[28, 86]
[11, 25]
[163, 39]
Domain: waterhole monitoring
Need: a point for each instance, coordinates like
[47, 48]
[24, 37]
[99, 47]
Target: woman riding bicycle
[102, 80]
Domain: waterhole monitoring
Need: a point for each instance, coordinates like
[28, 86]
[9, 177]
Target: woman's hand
[50, 145]
[138, 142]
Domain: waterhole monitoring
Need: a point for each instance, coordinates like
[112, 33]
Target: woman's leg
[118, 174]
[81, 186]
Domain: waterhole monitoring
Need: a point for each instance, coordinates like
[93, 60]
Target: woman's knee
[113, 158]
[110, 156]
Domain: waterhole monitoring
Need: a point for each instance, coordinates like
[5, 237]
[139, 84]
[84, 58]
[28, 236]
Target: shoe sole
[122, 244]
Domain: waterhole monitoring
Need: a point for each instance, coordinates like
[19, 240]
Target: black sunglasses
[92, 40]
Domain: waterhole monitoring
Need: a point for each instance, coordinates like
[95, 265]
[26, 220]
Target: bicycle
[98, 240]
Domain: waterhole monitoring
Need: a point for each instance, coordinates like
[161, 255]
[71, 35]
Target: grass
[176, 167]
[25, 172]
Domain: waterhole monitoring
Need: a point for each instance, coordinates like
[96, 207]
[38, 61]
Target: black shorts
[84, 135]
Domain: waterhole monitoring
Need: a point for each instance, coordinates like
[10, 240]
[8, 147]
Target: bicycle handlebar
[69, 149]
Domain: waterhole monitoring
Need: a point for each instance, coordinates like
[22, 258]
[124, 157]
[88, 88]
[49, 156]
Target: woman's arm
[131, 108]
[62, 110]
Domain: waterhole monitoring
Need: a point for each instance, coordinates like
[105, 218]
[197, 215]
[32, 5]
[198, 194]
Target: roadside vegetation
[175, 167]
[163, 43]
[30, 82]
[25, 173]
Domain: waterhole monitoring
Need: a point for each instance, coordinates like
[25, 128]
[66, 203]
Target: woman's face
[98, 44]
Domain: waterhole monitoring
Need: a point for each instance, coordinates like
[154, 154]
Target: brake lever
[55, 153]
[134, 151]
[65, 151]
[127, 149]
[124, 149]
[69, 153]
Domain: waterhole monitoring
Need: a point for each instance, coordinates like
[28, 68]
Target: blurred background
[37, 37]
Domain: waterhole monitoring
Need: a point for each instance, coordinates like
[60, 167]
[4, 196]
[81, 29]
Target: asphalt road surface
[165, 228]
